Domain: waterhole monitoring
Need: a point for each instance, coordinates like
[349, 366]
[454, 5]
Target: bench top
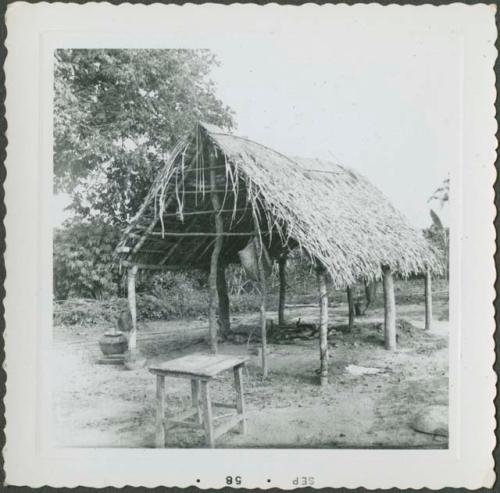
[198, 365]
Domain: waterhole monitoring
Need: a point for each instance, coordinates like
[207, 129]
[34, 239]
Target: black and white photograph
[256, 240]
[226, 274]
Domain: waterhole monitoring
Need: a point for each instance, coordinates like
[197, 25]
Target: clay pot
[113, 343]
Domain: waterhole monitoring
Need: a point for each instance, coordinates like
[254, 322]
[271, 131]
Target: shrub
[88, 311]
[84, 266]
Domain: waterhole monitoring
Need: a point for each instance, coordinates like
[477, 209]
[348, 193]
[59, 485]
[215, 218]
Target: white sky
[379, 93]
[384, 102]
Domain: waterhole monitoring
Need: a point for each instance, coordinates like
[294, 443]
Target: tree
[117, 115]
[83, 262]
[442, 193]
[437, 234]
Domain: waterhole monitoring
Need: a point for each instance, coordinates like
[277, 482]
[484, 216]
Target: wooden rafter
[204, 233]
[198, 213]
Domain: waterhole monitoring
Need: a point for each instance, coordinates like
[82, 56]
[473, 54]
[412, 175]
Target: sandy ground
[108, 406]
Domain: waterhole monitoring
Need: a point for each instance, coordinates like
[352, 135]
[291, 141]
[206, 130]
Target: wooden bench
[200, 369]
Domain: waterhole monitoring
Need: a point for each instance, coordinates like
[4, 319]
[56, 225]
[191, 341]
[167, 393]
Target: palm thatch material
[333, 214]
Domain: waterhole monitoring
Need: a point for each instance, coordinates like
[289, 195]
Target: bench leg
[240, 403]
[207, 414]
[195, 395]
[160, 412]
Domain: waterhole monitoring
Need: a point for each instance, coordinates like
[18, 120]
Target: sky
[383, 102]
[378, 93]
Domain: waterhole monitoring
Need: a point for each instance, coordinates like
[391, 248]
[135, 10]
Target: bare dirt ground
[108, 406]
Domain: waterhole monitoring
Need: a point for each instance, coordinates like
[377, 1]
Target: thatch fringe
[334, 215]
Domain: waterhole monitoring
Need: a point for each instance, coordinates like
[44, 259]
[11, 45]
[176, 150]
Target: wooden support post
[323, 325]
[207, 413]
[350, 305]
[389, 309]
[428, 300]
[225, 322]
[263, 296]
[195, 398]
[212, 317]
[282, 294]
[370, 291]
[160, 411]
[240, 402]
[132, 274]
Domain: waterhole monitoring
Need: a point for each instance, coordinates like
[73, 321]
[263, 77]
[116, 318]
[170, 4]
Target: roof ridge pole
[323, 323]
[428, 299]
[389, 309]
[219, 227]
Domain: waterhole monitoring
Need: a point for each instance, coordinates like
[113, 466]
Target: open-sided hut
[217, 192]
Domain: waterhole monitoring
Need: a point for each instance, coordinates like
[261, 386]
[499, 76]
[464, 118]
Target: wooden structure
[350, 307]
[389, 309]
[201, 369]
[428, 300]
[218, 192]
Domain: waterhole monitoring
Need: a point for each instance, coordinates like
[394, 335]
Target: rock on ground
[432, 420]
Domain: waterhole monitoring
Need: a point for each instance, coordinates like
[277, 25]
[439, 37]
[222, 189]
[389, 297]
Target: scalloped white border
[33, 32]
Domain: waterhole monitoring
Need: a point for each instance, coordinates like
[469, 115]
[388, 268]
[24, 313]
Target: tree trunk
[323, 325]
[224, 318]
[282, 276]
[350, 304]
[131, 276]
[389, 309]
[428, 300]
[214, 261]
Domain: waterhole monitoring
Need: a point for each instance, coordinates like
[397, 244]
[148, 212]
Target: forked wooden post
[350, 305]
[389, 309]
[225, 322]
[263, 296]
[212, 280]
[282, 295]
[428, 300]
[131, 277]
[323, 325]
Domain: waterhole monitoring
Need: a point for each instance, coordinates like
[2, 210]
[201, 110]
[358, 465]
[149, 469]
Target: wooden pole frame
[350, 307]
[222, 293]
[428, 299]
[282, 293]
[323, 324]
[259, 248]
[131, 278]
[214, 260]
[389, 309]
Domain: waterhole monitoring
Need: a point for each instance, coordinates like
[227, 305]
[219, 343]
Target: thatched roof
[335, 215]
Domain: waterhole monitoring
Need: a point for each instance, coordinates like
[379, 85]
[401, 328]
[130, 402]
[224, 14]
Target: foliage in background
[83, 261]
[442, 193]
[169, 306]
[438, 234]
[117, 115]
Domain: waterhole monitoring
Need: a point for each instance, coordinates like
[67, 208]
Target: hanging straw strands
[336, 217]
